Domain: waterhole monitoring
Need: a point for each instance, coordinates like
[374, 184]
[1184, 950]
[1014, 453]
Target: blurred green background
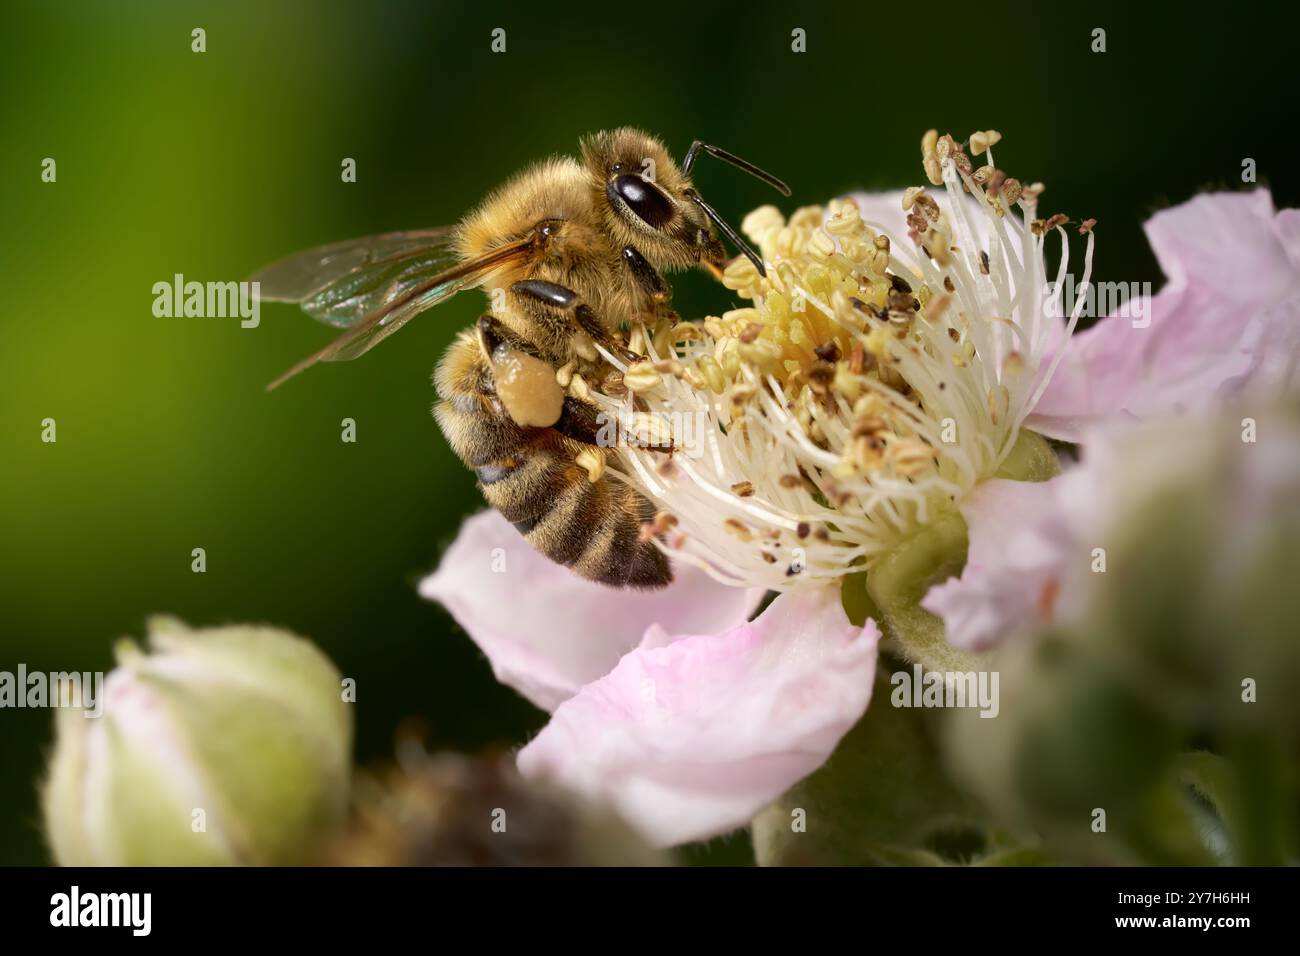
[212, 164]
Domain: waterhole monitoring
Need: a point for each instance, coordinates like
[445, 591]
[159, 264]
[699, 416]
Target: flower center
[879, 373]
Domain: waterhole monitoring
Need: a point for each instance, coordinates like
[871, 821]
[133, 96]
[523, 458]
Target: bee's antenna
[734, 160]
[727, 231]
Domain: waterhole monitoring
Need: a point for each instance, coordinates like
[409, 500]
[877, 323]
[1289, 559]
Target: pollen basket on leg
[875, 376]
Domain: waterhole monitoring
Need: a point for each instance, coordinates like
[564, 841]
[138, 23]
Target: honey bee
[571, 252]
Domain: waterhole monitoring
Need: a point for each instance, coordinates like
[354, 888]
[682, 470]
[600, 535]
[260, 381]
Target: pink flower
[1226, 323]
[689, 718]
[667, 705]
[1228, 315]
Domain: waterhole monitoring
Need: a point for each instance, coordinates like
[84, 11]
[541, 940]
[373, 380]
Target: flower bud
[229, 745]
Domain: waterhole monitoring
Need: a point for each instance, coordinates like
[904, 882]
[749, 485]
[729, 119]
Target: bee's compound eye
[643, 198]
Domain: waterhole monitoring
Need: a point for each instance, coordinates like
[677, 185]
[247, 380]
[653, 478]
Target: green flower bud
[223, 746]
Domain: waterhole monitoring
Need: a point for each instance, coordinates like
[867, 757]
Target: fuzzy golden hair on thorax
[576, 255]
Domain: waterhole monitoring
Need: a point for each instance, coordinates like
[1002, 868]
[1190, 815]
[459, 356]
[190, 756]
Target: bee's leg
[647, 277]
[568, 304]
[584, 422]
[529, 392]
[492, 335]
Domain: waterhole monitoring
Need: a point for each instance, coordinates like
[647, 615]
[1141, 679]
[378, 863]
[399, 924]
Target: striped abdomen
[530, 475]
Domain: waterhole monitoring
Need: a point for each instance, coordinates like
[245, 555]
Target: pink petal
[546, 631]
[1230, 306]
[690, 738]
[1024, 559]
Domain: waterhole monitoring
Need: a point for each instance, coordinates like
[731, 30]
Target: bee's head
[650, 203]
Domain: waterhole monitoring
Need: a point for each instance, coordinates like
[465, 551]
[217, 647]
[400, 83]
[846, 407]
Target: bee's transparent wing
[343, 282]
[372, 287]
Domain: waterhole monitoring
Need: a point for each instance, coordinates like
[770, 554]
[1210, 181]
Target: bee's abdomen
[531, 477]
[591, 527]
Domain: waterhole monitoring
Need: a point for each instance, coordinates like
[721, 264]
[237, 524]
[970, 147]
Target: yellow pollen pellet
[743, 488]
